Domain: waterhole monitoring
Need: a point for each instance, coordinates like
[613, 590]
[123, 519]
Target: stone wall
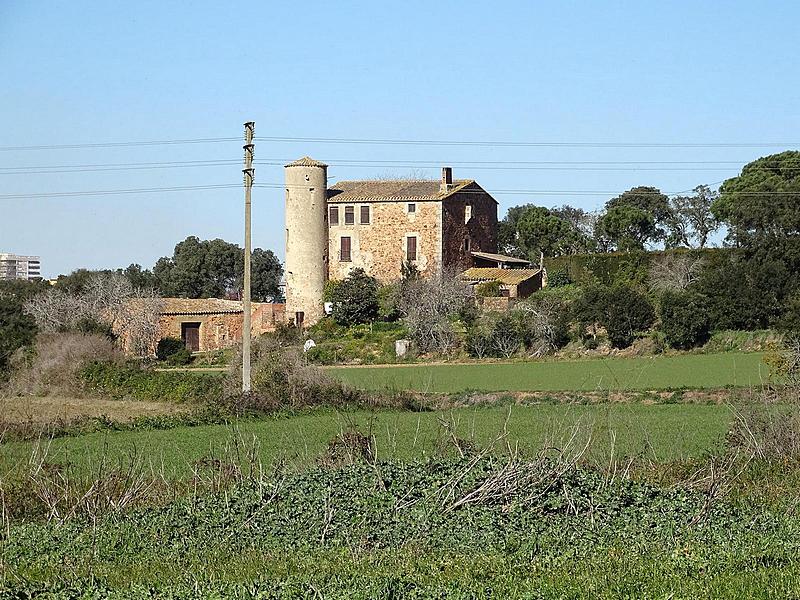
[470, 214]
[380, 247]
[223, 330]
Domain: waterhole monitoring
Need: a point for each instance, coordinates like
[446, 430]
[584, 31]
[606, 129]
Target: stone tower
[306, 239]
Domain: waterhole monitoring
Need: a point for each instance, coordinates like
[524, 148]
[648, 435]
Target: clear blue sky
[75, 71]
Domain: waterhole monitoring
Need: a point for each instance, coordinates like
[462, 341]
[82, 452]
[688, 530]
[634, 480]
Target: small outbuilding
[514, 283]
[212, 323]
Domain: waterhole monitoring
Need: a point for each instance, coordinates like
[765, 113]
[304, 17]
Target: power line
[408, 142]
[592, 166]
[516, 144]
[117, 192]
[112, 167]
[117, 144]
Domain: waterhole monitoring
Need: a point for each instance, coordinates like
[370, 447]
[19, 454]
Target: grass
[399, 530]
[32, 409]
[660, 432]
[646, 373]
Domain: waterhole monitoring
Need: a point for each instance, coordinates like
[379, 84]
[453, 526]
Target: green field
[660, 432]
[645, 373]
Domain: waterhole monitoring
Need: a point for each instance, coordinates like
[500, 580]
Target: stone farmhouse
[448, 225]
[212, 323]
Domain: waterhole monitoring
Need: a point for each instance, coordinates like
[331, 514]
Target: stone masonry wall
[480, 228]
[223, 330]
[380, 247]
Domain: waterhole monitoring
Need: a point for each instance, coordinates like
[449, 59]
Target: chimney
[447, 179]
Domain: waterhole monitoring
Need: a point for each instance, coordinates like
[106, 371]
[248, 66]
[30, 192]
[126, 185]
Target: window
[412, 208]
[365, 215]
[467, 213]
[349, 215]
[411, 248]
[344, 249]
[334, 215]
[466, 245]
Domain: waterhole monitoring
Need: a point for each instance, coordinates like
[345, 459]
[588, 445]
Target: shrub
[90, 325]
[180, 358]
[488, 289]
[57, 361]
[620, 309]
[627, 313]
[684, 319]
[169, 346]
[428, 306]
[135, 382]
[388, 302]
[281, 379]
[355, 299]
[558, 278]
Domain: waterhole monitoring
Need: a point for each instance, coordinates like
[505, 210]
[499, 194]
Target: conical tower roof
[307, 161]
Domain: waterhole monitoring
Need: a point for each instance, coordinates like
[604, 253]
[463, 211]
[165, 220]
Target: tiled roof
[377, 189]
[501, 258]
[505, 276]
[200, 306]
[306, 161]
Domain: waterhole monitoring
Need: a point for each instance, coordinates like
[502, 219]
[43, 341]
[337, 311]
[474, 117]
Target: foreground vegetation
[664, 432]
[551, 524]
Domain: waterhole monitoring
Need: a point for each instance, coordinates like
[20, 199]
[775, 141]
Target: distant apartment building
[14, 266]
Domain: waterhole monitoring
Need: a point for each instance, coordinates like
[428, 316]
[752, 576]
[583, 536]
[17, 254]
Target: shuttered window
[365, 215]
[344, 249]
[349, 215]
[334, 215]
[411, 248]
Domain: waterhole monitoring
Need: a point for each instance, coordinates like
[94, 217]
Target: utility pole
[249, 173]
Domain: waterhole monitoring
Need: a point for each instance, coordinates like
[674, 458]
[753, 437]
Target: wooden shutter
[365, 215]
[344, 249]
[411, 248]
[334, 215]
[349, 215]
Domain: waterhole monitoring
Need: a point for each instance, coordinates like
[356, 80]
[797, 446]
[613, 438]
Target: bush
[180, 358]
[57, 361]
[684, 319]
[137, 383]
[558, 278]
[620, 309]
[355, 299]
[488, 289]
[169, 346]
[388, 302]
[281, 379]
[90, 325]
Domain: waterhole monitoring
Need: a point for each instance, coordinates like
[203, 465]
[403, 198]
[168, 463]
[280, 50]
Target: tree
[214, 269]
[528, 231]
[685, 319]
[620, 309]
[139, 277]
[107, 302]
[635, 218]
[427, 306]
[265, 276]
[580, 219]
[691, 221]
[17, 329]
[762, 213]
[355, 299]
[675, 271]
[626, 228]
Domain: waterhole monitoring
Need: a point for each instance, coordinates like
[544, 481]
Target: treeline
[82, 301]
[197, 269]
